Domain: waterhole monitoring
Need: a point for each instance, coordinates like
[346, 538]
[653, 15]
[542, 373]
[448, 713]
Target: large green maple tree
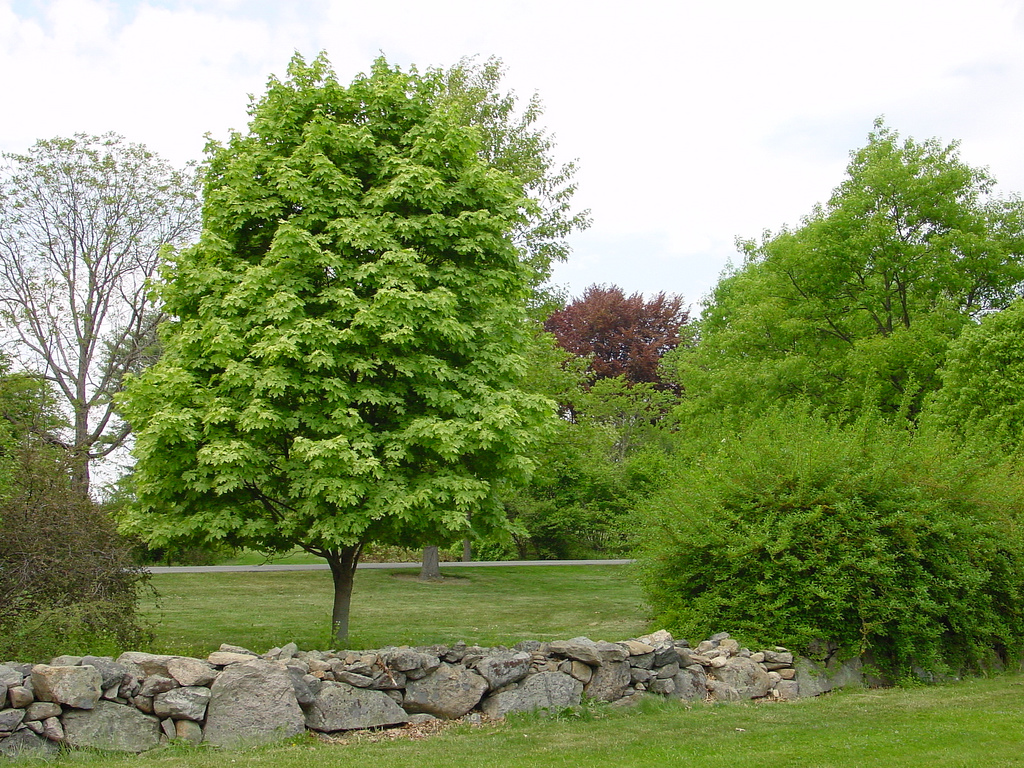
[342, 363]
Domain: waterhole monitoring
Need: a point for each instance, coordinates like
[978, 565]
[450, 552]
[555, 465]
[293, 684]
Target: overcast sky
[692, 122]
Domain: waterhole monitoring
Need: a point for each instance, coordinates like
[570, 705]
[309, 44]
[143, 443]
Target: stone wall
[236, 697]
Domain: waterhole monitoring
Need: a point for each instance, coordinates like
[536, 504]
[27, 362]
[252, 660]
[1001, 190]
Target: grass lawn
[194, 613]
[976, 724]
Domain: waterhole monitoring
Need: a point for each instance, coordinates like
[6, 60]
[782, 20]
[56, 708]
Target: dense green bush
[871, 538]
[67, 583]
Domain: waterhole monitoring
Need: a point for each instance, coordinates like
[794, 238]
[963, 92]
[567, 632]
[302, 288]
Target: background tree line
[362, 348]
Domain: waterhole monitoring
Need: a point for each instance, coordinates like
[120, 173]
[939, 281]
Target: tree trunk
[467, 551]
[343, 571]
[431, 564]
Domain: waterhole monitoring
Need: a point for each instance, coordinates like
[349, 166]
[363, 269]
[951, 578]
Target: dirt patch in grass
[454, 580]
[408, 731]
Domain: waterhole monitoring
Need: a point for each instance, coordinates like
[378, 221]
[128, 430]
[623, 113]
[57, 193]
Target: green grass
[195, 613]
[977, 724]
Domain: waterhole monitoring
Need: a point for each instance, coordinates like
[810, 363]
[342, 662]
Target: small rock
[188, 731]
[53, 729]
[40, 710]
[188, 672]
[636, 648]
[656, 638]
[227, 658]
[155, 684]
[20, 696]
[185, 703]
[577, 670]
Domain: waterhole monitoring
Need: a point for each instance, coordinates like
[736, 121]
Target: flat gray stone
[252, 703]
[228, 658]
[503, 668]
[111, 726]
[78, 687]
[188, 671]
[340, 707]
[611, 651]
[155, 684]
[720, 691]
[11, 719]
[449, 692]
[40, 710]
[147, 663]
[580, 648]
[53, 730]
[544, 690]
[186, 703]
[787, 690]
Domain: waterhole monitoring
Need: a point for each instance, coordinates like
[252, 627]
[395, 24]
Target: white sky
[693, 122]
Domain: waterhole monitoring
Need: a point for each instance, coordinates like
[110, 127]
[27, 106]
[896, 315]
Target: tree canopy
[862, 300]
[982, 394]
[346, 339]
[620, 335]
[512, 140]
[82, 224]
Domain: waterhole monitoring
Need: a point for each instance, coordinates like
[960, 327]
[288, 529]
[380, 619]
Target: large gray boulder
[746, 677]
[609, 682]
[691, 684]
[448, 692]
[504, 668]
[340, 707]
[814, 678]
[545, 690]
[111, 726]
[78, 687]
[146, 663]
[252, 703]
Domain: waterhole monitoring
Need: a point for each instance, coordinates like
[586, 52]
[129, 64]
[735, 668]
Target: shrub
[871, 538]
[67, 582]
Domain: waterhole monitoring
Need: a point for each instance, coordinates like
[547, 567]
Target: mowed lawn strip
[978, 723]
[194, 613]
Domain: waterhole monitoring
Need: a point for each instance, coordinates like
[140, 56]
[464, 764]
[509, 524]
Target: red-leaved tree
[627, 335]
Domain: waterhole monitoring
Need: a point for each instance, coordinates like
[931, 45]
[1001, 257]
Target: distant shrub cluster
[868, 537]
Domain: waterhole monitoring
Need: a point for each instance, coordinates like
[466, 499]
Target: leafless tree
[83, 222]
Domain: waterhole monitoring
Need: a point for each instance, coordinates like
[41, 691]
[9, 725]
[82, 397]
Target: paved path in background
[324, 566]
